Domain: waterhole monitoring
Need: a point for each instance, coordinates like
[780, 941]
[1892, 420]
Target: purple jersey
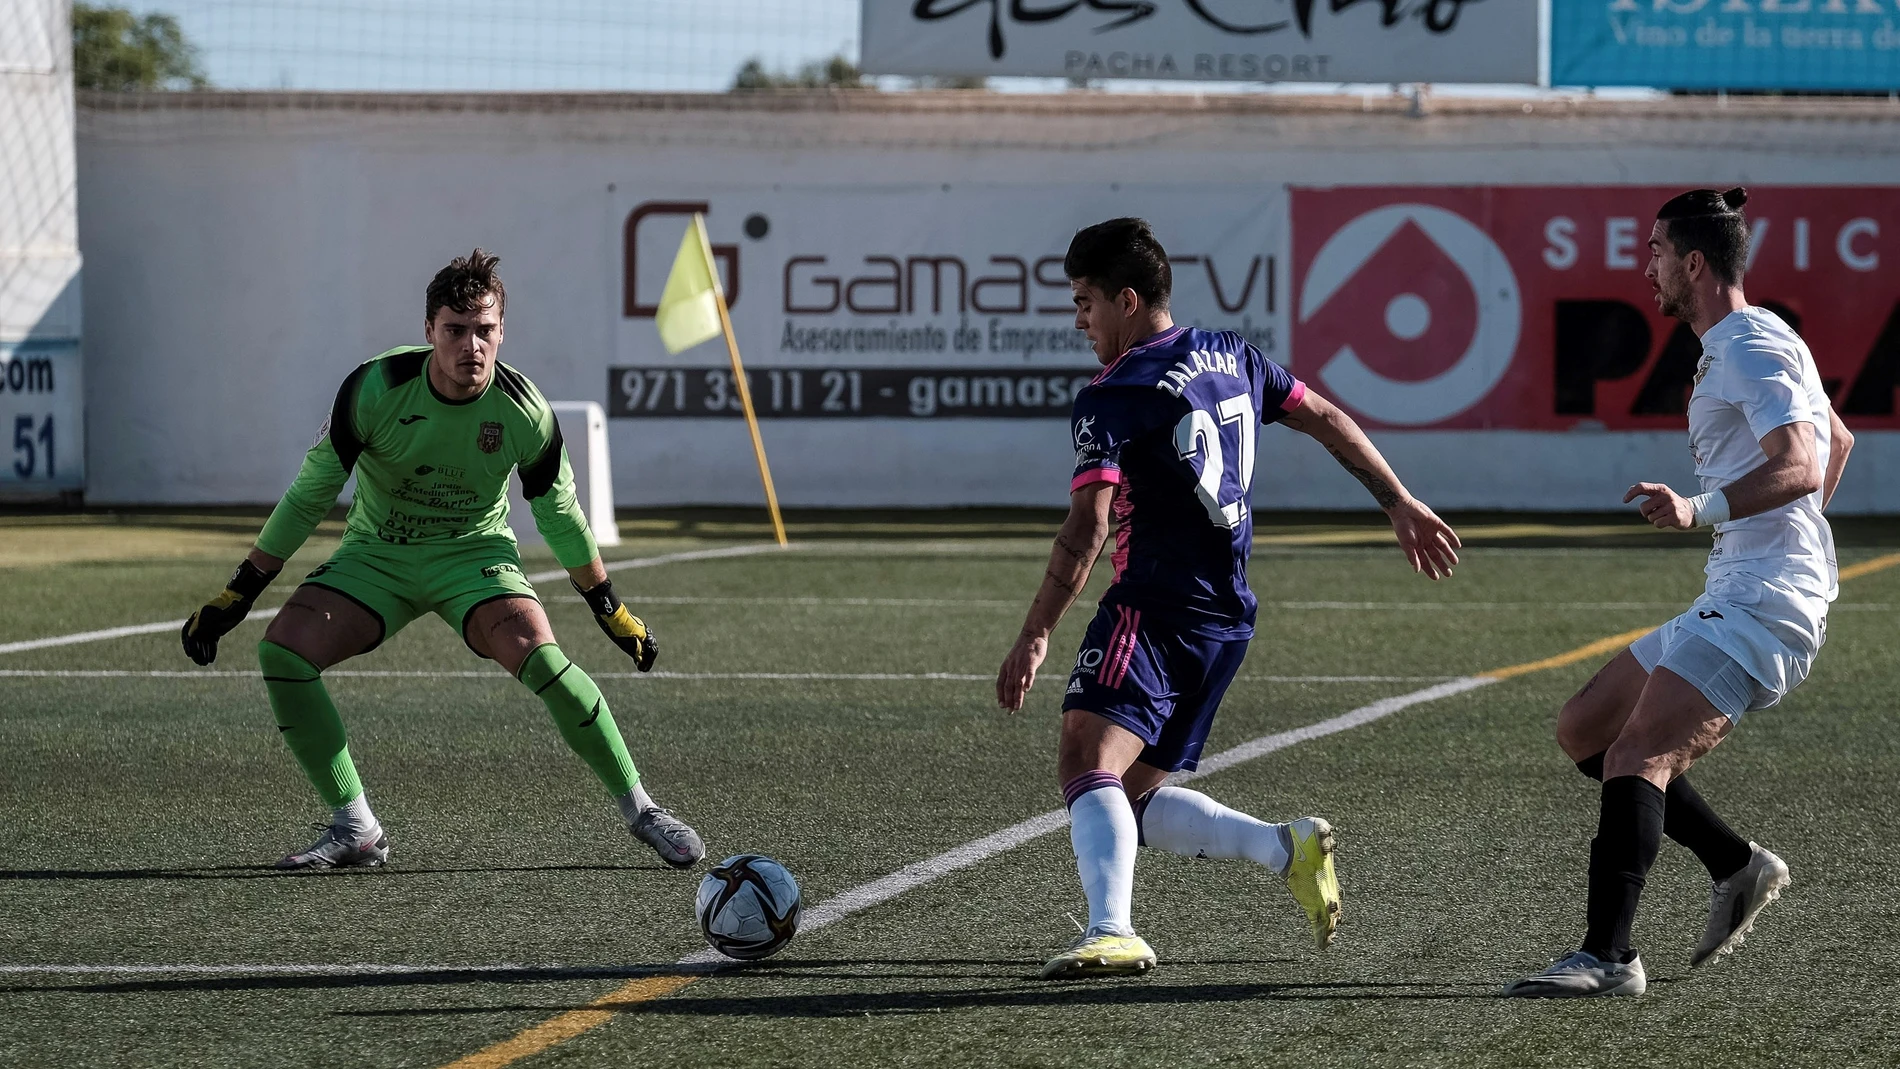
[1172, 423]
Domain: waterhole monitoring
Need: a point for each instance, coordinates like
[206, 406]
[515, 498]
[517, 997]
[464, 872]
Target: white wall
[244, 252]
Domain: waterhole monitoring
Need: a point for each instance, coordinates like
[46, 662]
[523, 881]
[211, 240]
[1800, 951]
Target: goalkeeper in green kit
[432, 433]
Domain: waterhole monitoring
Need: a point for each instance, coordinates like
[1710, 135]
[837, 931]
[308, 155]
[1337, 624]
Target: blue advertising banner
[1727, 44]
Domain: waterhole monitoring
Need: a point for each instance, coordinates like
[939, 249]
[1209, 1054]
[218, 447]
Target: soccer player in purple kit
[1164, 443]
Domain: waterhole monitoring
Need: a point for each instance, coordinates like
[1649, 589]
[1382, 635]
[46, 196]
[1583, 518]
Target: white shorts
[1745, 643]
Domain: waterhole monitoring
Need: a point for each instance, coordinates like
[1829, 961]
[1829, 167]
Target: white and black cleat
[677, 844]
[1734, 904]
[337, 850]
[1582, 975]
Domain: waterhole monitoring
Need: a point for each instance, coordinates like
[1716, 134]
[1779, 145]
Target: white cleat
[1582, 975]
[1734, 904]
[335, 850]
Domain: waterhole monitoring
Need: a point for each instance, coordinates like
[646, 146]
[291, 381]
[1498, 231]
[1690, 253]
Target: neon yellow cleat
[1311, 878]
[1101, 955]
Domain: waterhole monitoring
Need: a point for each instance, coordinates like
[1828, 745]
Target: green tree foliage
[117, 50]
[834, 73]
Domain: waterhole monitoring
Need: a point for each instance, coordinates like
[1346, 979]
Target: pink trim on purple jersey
[1124, 513]
[1294, 398]
[1162, 338]
[1095, 475]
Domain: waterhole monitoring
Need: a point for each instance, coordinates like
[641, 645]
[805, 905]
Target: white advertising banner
[923, 302]
[1208, 40]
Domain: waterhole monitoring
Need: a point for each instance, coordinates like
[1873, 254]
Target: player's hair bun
[1735, 198]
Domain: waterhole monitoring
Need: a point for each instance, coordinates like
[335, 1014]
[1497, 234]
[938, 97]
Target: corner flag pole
[739, 379]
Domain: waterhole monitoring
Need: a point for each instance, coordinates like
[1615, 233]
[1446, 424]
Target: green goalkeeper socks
[309, 723]
[581, 714]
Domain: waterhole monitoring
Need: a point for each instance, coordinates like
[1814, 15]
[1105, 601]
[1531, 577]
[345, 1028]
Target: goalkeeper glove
[224, 612]
[627, 631]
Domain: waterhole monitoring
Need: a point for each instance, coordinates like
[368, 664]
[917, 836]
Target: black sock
[1629, 833]
[1688, 820]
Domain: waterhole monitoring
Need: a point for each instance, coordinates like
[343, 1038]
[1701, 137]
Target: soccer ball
[748, 906]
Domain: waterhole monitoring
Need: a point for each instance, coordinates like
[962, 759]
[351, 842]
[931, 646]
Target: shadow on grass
[271, 872]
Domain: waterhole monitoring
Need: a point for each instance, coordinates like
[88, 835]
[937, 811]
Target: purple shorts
[1154, 680]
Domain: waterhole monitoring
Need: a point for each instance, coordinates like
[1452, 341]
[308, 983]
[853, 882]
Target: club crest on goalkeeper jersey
[1172, 423]
[430, 470]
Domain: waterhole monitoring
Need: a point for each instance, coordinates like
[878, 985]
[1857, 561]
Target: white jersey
[1757, 375]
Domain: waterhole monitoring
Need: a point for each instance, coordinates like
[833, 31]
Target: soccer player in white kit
[1769, 451]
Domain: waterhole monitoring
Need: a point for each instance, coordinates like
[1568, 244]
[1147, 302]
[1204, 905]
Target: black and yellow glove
[627, 631]
[224, 612]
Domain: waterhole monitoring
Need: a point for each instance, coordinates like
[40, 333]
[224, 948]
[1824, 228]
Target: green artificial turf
[139, 816]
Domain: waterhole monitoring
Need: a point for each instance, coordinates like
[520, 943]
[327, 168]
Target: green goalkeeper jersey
[430, 471]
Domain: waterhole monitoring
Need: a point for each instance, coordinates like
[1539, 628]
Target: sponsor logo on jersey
[423, 469]
[1702, 368]
[1084, 432]
[407, 420]
[488, 439]
[494, 570]
[322, 433]
[1709, 614]
[1088, 660]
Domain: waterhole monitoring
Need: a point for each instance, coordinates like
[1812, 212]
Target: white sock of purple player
[1191, 824]
[1102, 830]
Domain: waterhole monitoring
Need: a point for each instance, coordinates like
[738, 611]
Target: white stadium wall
[1467, 281]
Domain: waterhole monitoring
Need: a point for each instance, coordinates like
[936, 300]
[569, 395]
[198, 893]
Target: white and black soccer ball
[748, 906]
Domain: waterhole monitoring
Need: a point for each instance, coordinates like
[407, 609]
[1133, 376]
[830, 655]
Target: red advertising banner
[1526, 307]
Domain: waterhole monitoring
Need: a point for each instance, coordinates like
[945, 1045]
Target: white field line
[879, 891]
[876, 892]
[265, 614]
[298, 968]
[495, 674]
[111, 632]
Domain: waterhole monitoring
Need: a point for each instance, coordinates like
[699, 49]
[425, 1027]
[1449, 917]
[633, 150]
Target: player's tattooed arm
[1382, 491]
[1429, 543]
[1070, 561]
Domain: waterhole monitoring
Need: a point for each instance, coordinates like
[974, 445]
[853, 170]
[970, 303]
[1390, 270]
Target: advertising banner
[41, 402]
[1526, 308]
[1209, 40]
[1726, 44]
[925, 302]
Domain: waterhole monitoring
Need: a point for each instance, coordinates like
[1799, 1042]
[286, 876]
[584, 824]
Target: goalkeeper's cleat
[1310, 875]
[1582, 975]
[1101, 955]
[677, 844]
[1735, 902]
[336, 849]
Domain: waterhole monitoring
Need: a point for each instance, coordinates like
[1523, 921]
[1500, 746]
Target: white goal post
[584, 427]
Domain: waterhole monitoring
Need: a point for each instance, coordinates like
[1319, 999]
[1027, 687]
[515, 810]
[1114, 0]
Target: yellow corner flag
[692, 310]
[689, 306]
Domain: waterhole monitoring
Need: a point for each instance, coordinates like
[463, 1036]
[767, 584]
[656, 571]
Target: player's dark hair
[1711, 223]
[465, 285]
[1121, 254]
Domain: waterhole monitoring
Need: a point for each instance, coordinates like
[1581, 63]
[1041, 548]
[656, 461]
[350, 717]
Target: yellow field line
[560, 1029]
[1581, 653]
[572, 1023]
[1869, 567]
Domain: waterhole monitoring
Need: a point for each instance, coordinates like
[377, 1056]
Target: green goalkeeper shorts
[396, 584]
